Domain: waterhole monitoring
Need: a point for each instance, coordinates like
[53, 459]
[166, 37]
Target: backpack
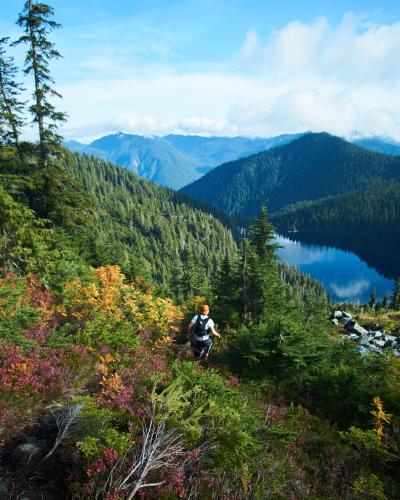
[200, 329]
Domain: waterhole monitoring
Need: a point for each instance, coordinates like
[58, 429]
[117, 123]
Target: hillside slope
[311, 167]
[174, 160]
[145, 225]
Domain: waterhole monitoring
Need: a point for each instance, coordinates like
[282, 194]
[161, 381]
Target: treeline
[369, 219]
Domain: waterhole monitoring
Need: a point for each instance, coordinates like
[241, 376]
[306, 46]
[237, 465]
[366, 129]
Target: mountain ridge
[311, 167]
[173, 160]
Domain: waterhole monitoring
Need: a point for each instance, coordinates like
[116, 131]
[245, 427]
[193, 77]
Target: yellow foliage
[105, 361]
[193, 304]
[380, 416]
[109, 297]
[113, 383]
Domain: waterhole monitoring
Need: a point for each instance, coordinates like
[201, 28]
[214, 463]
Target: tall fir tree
[267, 287]
[260, 286]
[36, 20]
[11, 105]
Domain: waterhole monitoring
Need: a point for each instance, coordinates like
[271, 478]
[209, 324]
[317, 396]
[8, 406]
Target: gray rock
[353, 336]
[374, 348]
[337, 314]
[364, 340]
[390, 341]
[380, 343]
[361, 349]
[334, 322]
[353, 327]
[378, 335]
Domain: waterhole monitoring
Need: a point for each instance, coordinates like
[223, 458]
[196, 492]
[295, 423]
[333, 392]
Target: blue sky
[225, 67]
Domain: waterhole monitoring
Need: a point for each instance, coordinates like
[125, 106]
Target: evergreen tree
[385, 302]
[372, 299]
[36, 20]
[395, 303]
[263, 236]
[267, 286]
[225, 310]
[259, 282]
[11, 107]
[243, 277]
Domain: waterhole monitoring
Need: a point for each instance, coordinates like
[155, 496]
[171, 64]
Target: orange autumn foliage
[109, 297]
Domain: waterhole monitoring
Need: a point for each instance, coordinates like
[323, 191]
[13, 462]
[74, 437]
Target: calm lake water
[345, 276]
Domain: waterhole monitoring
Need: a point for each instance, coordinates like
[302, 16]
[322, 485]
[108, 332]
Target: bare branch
[66, 420]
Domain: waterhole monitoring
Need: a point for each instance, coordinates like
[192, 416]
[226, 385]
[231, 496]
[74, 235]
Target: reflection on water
[345, 276]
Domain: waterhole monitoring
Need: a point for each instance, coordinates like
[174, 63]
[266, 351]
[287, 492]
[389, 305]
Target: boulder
[378, 335]
[390, 341]
[365, 340]
[346, 315]
[353, 327]
[374, 348]
[337, 314]
[334, 321]
[380, 343]
[353, 336]
[372, 327]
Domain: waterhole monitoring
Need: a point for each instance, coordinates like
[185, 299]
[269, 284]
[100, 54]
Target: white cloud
[305, 76]
[301, 255]
[352, 289]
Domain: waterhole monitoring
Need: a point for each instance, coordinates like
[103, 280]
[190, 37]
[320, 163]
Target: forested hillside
[146, 229]
[369, 219]
[312, 167]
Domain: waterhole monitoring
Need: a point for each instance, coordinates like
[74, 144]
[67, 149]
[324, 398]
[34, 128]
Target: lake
[346, 276]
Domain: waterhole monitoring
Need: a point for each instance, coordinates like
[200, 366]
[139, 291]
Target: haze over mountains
[174, 160]
[311, 167]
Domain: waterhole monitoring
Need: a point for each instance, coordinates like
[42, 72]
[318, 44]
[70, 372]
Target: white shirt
[209, 324]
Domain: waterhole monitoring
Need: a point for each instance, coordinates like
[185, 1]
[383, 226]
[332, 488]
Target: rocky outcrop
[368, 338]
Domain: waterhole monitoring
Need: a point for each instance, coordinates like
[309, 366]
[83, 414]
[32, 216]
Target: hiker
[201, 327]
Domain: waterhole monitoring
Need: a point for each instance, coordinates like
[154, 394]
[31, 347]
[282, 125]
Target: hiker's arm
[214, 332]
